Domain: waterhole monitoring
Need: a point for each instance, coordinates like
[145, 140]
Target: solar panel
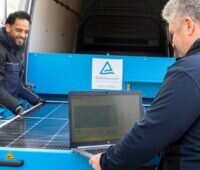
[43, 128]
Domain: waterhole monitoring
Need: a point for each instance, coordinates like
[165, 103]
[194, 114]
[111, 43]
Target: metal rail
[20, 116]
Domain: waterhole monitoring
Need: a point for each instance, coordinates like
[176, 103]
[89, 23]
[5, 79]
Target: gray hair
[175, 10]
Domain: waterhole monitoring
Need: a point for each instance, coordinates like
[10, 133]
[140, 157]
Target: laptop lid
[99, 117]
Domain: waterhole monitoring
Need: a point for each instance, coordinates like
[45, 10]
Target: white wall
[53, 27]
[2, 12]
[12, 6]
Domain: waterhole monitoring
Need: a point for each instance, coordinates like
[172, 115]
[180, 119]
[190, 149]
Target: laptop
[98, 119]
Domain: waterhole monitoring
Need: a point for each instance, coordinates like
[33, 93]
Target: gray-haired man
[172, 125]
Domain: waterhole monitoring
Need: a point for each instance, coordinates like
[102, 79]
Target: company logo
[107, 69]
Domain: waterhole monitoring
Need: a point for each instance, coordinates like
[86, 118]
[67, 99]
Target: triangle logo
[107, 69]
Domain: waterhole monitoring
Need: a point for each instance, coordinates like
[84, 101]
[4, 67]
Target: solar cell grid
[44, 128]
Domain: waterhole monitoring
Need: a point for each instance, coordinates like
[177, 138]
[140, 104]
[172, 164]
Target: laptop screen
[102, 117]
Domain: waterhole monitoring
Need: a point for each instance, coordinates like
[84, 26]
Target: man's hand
[19, 110]
[95, 162]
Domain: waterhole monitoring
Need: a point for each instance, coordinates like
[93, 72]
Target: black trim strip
[12, 163]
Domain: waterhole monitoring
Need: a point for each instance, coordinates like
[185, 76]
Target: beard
[19, 41]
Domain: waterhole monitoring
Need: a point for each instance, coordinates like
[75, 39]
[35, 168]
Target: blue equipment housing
[61, 73]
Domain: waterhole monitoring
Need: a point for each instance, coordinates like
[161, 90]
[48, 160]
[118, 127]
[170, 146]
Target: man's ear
[189, 25]
[8, 27]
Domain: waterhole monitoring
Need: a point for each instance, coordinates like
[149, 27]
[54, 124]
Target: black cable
[67, 7]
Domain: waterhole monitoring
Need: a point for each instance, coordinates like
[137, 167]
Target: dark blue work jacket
[170, 127]
[12, 74]
[13, 77]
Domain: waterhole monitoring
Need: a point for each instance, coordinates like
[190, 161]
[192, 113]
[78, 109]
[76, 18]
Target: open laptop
[99, 119]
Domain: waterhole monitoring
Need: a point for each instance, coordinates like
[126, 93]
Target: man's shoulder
[188, 66]
[192, 60]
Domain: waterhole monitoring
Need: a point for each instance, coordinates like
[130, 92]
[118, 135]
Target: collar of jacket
[193, 49]
[8, 43]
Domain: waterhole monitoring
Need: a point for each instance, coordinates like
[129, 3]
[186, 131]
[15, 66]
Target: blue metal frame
[45, 159]
[62, 73]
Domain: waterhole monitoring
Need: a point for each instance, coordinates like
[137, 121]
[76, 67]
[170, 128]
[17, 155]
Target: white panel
[53, 27]
[12, 5]
[2, 12]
